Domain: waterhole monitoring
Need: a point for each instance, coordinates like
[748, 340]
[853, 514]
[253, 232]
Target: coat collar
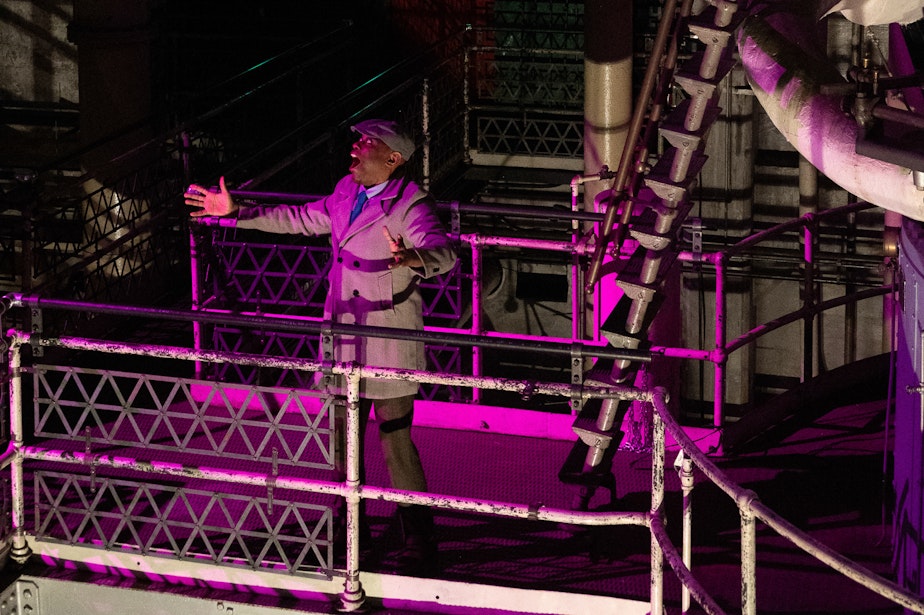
[378, 205]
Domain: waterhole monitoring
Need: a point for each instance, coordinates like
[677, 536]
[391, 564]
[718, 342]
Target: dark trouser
[394, 418]
[405, 471]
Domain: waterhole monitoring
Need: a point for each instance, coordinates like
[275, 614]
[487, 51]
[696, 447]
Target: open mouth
[354, 162]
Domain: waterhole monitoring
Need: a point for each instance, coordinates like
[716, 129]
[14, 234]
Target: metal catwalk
[824, 475]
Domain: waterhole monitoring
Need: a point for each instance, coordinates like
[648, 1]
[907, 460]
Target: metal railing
[806, 314]
[291, 282]
[272, 488]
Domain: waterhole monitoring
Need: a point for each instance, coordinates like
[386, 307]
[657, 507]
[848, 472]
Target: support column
[607, 87]
[113, 39]
[607, 108]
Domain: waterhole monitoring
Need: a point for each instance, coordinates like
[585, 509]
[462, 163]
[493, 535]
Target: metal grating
[106, 408]
[270, 343]
[179, 521]
[278, 274]
[554, 83]
[561, 137]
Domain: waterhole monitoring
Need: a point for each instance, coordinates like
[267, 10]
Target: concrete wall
[37, 63]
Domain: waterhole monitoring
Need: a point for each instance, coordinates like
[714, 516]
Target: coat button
[339, 259]
[355, 293]
[356, 264]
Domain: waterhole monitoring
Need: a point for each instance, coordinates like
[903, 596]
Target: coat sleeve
[425, 234]
[307, 219]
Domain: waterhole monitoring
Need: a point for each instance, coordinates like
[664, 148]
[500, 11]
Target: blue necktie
[361, 199]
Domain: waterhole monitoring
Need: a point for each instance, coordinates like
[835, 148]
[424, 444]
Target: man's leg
[406, 473]
[401, 457]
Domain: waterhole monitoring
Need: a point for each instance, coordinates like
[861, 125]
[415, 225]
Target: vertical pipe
[808, 206]
[353, 595]
[28, 244]
[579, 313]
[466, 103]
[661, 59]
[607, 87]
[720, 359]
[425, 133]
[476, 245]
[196, 289]
[850, 309]
[577, 299]
[607, 103]
[186, 156]
[808, 301]
[20, 550]
[748, 560]
[890, 237]
[686, 484]
[657, 504]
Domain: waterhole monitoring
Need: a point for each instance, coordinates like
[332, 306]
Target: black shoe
[417, 556]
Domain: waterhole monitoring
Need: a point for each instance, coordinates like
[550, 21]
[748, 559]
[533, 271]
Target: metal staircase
[649, 203]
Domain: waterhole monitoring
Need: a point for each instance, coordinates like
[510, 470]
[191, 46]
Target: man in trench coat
[384, 237]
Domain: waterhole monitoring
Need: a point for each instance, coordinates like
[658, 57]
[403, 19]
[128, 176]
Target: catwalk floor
[826, 477]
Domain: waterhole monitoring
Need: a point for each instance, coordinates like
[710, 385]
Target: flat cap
[391, 133]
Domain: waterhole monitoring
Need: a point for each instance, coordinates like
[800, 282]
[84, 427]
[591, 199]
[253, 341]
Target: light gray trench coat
[362, 288]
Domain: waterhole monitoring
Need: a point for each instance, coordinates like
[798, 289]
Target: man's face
[373, 161]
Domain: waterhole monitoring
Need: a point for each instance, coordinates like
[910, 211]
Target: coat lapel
[375, 209]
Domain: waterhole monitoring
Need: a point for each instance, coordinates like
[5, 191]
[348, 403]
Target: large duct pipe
[784, 56]
[607, 87]
[607, 111]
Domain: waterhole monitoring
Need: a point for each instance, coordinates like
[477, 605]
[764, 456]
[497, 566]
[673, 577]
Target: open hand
[209, 201]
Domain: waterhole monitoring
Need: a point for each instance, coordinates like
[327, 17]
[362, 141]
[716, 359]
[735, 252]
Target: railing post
[748, 555]
[353, 595]
[721, 358]
[476, 245]
[686, 484]
[466, 103]
[657, 505]
[20, 550]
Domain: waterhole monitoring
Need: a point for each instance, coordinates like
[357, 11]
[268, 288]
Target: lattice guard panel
[284, 533]
[94, 408]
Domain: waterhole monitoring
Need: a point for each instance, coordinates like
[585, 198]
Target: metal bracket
[695, 227]
[91, 461]
[577, 377]
[271, 482]
[20, 597]
[455, 220]
[327, 353]
[36, 325]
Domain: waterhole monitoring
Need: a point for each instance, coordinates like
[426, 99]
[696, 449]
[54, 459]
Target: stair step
[615, 323]
[670, 190]
[654, 229]
[632, 269]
